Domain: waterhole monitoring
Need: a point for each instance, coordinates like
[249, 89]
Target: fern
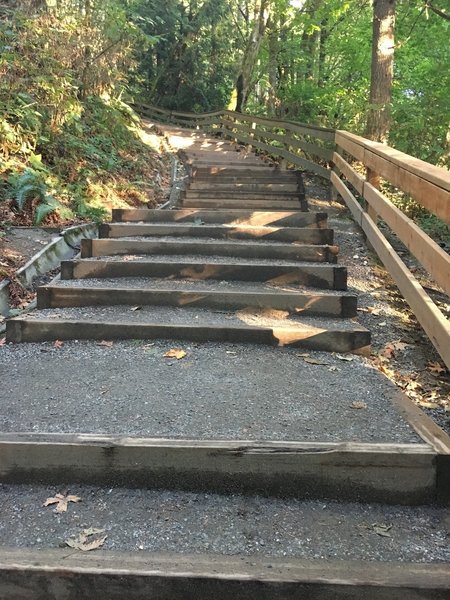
[29, 190]
[41, 212]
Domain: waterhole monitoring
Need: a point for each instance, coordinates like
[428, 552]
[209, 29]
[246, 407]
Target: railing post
[373, 178]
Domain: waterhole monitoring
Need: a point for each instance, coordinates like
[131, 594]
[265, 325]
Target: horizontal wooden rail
[425, 183]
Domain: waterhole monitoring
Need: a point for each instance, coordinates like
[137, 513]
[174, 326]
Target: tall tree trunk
[378, 120]
[272, 67]
[251, 54]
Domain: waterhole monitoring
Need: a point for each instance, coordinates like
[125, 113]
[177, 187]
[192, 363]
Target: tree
[379, 115]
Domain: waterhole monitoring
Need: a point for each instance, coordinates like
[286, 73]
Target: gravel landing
[231, 525]
[252, 317]
[218, 391]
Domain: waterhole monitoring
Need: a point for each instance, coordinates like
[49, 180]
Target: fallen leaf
[380, 529]
[343, 357]
[61, 502]
[58, 344]
[88, 539]
[436, 368]
[135, 308]
[373, 311]
[390, 349]
[333, 368]
[302, 354]
[175, 353]
[358, 404]
[3, 341]
[105, 344]
[383, 324]
[314, 361]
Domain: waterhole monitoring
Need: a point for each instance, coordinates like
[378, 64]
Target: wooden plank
[334, 338]
[62, 574]
[427, 252]
[237, 216]
[434, 323]
[304, 235]
[350, 146]
[274, 251]
[350, 174]
[424, 170]
[433, 198]
[427, 184]
[389, 473]
[322, 276]
[304, 303]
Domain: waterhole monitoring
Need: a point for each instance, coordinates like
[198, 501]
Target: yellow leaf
[177, 353]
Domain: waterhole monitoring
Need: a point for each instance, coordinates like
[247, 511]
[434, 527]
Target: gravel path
[191, 523]
[222, 391]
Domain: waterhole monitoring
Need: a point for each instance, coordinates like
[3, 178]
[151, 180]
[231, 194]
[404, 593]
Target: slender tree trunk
[272, 68]
[378, 120]
[251, 54]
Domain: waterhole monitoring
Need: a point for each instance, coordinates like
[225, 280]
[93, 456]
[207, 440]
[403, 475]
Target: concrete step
[232, 217]
[200, 294]
[192, 246]
[328, 277]
[288, 235]
[257, 326]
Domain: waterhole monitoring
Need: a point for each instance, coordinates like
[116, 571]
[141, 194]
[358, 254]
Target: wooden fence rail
[332, 155]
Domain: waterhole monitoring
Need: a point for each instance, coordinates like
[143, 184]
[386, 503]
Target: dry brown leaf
[105, 344]
[61, 502]
[314, 361]
[177, 353]
[390, 349]
[373, 311]
[58, 344]
[358, 404]
[436, 368]
[3, 341]
[88, 539]
[344, 357]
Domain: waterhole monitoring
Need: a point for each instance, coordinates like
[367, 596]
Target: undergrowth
[70, 147]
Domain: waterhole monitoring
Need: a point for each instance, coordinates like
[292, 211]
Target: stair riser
[242, 217]
[322, 277]
[239, 204]
[285, 235]
[329, 340]
[305, 304]
[114, 247]
[388, 473]
[34, 574]
[250, 187]
[238, 194]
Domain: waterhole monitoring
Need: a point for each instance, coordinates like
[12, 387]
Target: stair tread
[191, 285]
[191, 317]
[241, 528]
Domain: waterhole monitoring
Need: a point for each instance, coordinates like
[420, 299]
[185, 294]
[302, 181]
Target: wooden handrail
[427, 184]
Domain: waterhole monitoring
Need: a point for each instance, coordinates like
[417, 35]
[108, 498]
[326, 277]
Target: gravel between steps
[166, 521]
[251, 317]
[154, 283]
[218, 391]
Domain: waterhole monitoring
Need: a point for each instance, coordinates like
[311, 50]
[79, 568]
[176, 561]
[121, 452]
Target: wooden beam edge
[65, 564]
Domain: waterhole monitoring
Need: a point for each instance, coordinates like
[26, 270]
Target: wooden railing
[333, 154]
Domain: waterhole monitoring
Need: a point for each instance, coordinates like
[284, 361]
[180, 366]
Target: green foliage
[68, 142]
